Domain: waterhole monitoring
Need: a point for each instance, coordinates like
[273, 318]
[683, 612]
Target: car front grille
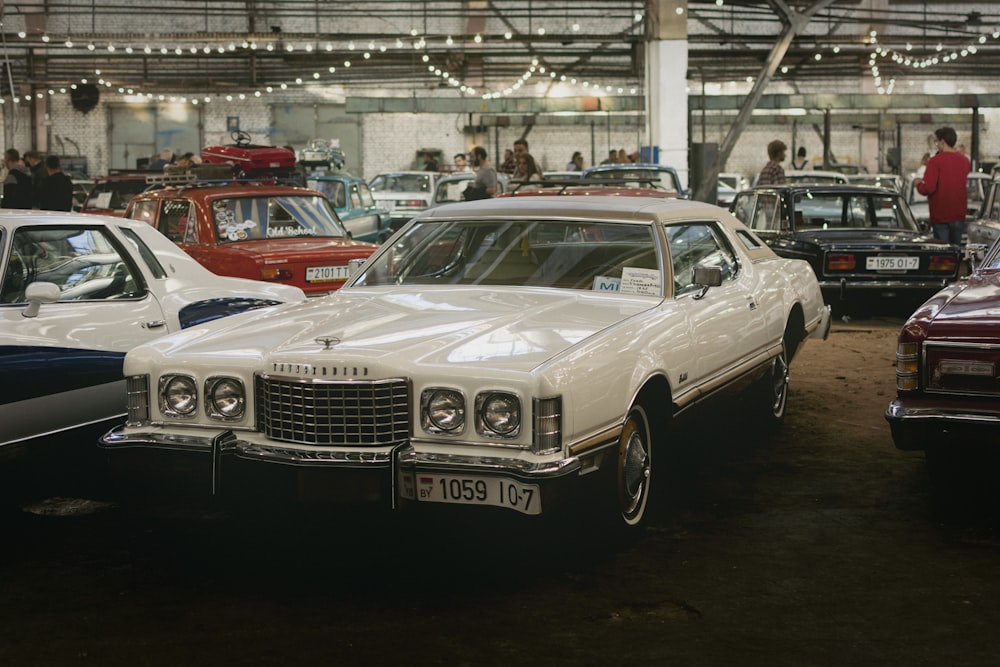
[316, 412]
[962, 368]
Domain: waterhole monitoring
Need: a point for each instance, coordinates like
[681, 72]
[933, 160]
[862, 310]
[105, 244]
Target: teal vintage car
[353, 201]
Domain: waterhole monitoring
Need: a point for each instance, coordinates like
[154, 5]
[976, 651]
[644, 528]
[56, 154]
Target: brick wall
[390, 141]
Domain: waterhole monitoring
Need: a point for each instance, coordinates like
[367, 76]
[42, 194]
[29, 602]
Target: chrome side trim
[935, 284]
[694, 394]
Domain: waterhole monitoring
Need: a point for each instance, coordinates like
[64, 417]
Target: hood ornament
[327, 341]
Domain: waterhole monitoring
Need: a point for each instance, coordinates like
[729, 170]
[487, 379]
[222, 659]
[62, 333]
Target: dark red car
[255, 230]
[948, 370]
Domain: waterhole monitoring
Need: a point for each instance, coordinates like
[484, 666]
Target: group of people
[32, 182]
[942, 178]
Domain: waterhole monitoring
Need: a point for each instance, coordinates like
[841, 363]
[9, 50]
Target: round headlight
[226, 398]
[180, 395]
[446, 409]
[501, 413]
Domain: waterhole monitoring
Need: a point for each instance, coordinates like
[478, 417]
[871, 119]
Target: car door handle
[153, 324]
[752, 302]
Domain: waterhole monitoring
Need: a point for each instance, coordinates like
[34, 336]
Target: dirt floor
[821, 545]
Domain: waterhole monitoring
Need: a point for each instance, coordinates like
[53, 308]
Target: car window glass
[562, 254]
[366, 195]
[334, 191]
[174, 217]
[83, 262]
[994, 212]
[145, 211]
[697, 244]
[819, 210]
[256, 218]
[145, 252]
[355, 197]
[767, 212]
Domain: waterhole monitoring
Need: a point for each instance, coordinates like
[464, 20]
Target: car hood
[968, 311]
[391, 330]
[846, 238]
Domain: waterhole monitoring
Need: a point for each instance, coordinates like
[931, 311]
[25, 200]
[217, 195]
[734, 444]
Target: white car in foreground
[499, 353]
[76, 293]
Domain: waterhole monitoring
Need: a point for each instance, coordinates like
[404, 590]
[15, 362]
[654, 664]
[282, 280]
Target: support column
[666, 86]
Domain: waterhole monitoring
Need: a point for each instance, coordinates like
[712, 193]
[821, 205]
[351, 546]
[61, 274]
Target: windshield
[644, 178]
[284, 217]
[814, 210]
[572, 255]
[401, 183]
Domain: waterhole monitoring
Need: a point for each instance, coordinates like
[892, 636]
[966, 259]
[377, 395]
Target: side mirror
[707, 276]
[38, 293]
[974, 254]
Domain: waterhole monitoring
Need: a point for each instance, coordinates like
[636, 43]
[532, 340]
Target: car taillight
[275, 274]
[907, 367]
[840, 262]
[943, 263]
[412, 203]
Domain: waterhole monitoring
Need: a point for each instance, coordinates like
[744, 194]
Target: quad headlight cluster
[497, 414]
[225, 398]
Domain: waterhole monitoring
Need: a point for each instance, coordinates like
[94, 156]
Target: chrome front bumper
[213, 455]
[918, 426]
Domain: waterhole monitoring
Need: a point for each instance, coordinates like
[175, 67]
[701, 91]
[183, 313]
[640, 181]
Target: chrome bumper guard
[402, 457]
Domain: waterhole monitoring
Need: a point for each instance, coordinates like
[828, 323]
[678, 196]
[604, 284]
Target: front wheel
[634, 467]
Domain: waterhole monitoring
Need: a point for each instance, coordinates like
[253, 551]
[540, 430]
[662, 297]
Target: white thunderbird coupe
[76, 293]
[497, 353]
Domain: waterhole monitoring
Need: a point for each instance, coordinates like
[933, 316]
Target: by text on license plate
[892, 263]
[319, 274]
[474, 490]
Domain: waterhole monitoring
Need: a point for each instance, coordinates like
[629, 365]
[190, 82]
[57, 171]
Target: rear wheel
[634, 467]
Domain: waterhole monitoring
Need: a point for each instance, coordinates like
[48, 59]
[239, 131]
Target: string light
[905, 58]
[420, 43]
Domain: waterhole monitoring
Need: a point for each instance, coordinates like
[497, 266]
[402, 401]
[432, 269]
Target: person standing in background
[800, 160]
[56, 190]
[923, 165]
[461, 163]
[430, 164]
[485, 184]
[527, 172]
[773, 173]
[18, 191]
[520, 148]
[944, 185]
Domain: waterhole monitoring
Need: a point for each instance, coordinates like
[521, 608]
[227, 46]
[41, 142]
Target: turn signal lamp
[907, 367]
[275, 274]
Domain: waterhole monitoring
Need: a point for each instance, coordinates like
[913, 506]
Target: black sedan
[861, 241]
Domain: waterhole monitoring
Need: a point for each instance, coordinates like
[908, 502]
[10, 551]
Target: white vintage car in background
[76, 293]
[499, 353]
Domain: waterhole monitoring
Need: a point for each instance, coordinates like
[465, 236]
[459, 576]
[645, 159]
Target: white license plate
[320, 274]
[892, 263]
[473, 490]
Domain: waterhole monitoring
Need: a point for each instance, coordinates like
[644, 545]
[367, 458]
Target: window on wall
[138, 134]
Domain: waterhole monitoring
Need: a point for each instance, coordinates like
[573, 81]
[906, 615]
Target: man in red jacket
[944, 186]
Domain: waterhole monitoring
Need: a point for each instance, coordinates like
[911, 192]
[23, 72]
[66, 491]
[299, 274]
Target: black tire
[769, 395]
[633, 468]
